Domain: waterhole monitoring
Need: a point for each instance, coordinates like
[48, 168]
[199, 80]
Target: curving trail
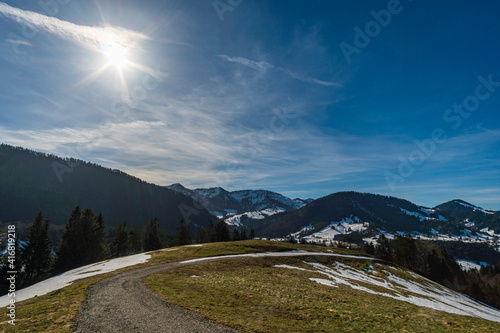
[122, 303]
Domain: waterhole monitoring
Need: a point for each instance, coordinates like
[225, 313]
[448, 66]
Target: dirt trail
[122, 303]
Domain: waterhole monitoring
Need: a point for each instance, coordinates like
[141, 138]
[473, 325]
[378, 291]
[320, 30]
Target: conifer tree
[211, 232]
[183, 234]
[70, 252]
[120, 242]
[103, 250]
[405, 251]
[382, 249]
[243, 235]
[222, 232]
[369, 248]
[83, 241]
[37, 255]
[236, 235]
[135, 241]
[153, 236]
[252, 234]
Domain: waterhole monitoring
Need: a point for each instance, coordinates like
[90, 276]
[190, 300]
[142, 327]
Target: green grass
[56, 311]
[251, 295]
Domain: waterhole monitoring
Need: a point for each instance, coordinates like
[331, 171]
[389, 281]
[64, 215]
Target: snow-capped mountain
[253, 204]
[365, 216]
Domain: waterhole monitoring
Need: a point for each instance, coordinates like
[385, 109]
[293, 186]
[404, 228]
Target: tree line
[85, 240]
[437, 264]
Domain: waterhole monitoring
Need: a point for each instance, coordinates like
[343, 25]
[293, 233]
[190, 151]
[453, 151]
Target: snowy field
[426, 294]
[257, 215]
[468, 265]
[66, 278]
[345, 226]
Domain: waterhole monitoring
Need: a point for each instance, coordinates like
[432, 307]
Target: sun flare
[116, 55]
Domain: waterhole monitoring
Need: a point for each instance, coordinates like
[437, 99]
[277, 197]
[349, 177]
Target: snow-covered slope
[380, 280]
[66, 278]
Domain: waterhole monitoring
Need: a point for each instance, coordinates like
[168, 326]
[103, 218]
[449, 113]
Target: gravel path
[122, 303]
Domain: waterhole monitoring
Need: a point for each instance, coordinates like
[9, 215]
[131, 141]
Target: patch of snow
[488, 231]
[417, 215]
[302, 231]
[193, 245]
[346, 226]
[256, 215]
[66, 278]
[425, 294]
[466, 265]
[218, 214]
[484, 211]
[470, 224]
[275, 254]
[427, 211]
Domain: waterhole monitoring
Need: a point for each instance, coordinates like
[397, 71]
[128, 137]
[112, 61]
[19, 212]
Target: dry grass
[253, 296]
[56, 311]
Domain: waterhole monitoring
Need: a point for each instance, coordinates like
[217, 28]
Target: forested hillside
[31, 182]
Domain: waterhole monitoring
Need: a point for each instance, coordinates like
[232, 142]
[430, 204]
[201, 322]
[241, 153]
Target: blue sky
[309, 98]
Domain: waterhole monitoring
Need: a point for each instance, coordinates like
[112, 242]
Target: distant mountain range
[383, 213]
[271, 214]
[31, 181]
[223, 203]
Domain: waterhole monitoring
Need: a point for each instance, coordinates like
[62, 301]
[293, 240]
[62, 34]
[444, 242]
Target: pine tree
[211, 232]
[369, 248]
[183, 233]
[382, 249]
[222, 232]
[405, 251]
[37, 254]
[243, 235]
[83, 241]
[120, 242]
[236, 235]
[103, 250]
[70, 252]
[153, 236]
[135, 241]
[252, 234]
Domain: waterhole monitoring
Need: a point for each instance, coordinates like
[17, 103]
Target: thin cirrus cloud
[19, 42]
[87, 36]
[263, 67]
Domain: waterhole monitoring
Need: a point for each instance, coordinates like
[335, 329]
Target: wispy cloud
[263, 67]
[90, 37]
[260, 66]
[19, 42]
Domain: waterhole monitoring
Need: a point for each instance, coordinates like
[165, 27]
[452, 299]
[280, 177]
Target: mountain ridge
[32, 181]
[223, 203]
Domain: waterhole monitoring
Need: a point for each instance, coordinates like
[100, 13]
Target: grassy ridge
[253, 296]
[56, 311]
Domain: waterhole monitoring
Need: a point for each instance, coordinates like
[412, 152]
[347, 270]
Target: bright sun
[116, 55]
